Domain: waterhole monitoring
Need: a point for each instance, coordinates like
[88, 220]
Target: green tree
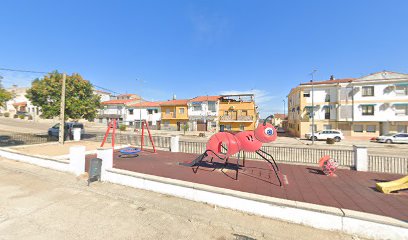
[80, 101]
[4, 95]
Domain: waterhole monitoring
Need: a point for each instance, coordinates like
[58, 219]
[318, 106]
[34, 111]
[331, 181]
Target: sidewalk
[38, 203]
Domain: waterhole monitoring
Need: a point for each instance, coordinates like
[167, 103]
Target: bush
[30, 117]
[21, 116]
[330, 141]
[7, 114]
[15, 116]
[122, 127]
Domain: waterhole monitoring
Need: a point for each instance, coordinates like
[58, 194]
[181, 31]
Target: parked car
[280, 130]
[20, 113]
[337, 135]
[54, 130]
[393, 138]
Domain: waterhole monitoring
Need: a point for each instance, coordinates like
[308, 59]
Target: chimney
[332, 77]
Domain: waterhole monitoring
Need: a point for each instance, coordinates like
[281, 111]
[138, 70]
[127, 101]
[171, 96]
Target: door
[401, 138]
[222, 128]
[178, 126]
[201, 126]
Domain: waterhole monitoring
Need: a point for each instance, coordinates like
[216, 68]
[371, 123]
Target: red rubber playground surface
[349, 189]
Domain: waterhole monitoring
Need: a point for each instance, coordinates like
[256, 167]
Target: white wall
[143, 113]
[204, 110]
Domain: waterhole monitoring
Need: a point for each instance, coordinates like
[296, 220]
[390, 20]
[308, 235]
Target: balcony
[168, 115]
[229, 118]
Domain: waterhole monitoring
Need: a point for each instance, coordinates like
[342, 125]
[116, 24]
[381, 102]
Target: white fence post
[360, 158]
[106, 154]
[77, 159]
[174, 143]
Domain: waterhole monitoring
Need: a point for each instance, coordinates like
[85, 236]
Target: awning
[311, 107]
[401, 84]
[400, 104]
[371, 104]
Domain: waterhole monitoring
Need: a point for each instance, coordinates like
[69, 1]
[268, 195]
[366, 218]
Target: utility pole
[62, 111]
[313, 125]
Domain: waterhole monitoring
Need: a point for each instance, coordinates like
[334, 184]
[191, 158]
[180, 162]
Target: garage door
[201, 126]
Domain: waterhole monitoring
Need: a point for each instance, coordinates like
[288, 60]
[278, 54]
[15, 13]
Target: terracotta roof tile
[117, 101]
[144, 104]
[342, 80]
[204, 98]
[174, 102]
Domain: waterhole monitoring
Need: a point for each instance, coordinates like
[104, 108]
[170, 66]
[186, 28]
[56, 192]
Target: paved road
[17, 125]
[38, 203]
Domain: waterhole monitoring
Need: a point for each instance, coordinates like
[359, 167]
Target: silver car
[393, 138]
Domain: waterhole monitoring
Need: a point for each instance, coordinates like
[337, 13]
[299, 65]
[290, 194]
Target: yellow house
[237, 112]
[174, 114]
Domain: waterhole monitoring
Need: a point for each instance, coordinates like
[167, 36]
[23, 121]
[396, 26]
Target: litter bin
[77, 134]
[95, 170]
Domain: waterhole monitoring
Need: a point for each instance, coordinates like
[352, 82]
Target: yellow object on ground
[387, 187]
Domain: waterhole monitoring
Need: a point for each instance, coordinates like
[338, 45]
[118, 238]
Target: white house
[203, 113]
[20, 103]
[149, 111]
[104, 96]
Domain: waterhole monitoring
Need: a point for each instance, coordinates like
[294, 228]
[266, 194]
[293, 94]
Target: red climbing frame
[112, 125]
[144, 123]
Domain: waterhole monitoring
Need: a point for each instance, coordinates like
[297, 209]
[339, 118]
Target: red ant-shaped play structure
[246, 141]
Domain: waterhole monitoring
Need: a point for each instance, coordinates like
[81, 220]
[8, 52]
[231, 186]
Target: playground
[347, 190]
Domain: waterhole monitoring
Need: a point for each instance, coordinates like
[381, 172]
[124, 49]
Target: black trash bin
[94, 172]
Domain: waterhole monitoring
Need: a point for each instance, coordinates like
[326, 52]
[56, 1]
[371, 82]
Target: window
[211, 106]
[197, 107]
[156, 110]
[401, 110]
[327, 113]
[181, 110]
[368, 91]
[228, 127]
[306, 94]
[149, 111]
[213, 124]
[166, 123]
[327, 99]
[401, 90]
[311, 129]
[327, 127]
[130, 111]
[367, 109]
[241, 127]
[402, 128]
[244, 113]
[371, 128]
[130, 123]
[167, 111]
[358, 128]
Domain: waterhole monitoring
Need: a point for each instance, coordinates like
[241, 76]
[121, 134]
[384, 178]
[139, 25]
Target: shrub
[7, 114]
[21, 116]
[122, 127]
[15, 116]
[30, 117]
[330, 141]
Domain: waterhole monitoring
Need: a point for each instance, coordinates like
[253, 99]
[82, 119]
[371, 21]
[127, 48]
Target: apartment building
[203, 113]
[237, 112]
[368, 106]
[174, 115]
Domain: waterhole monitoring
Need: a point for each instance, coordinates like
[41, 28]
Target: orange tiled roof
[145, 104]
[117, 101]
[342, 80]
[20, 104]
[279, 115]
[174, 102]
[204, 98]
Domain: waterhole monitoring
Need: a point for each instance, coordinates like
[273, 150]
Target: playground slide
[387, 187]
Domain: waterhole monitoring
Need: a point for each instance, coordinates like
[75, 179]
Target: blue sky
[190, 48]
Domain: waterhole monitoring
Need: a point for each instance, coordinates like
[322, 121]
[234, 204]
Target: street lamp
[313, 125]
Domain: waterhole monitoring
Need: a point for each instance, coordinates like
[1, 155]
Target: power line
[18, 70]
[29, 71]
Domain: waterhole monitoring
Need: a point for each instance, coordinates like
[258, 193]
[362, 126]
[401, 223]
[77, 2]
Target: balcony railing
[229, 118]
[169, 115]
